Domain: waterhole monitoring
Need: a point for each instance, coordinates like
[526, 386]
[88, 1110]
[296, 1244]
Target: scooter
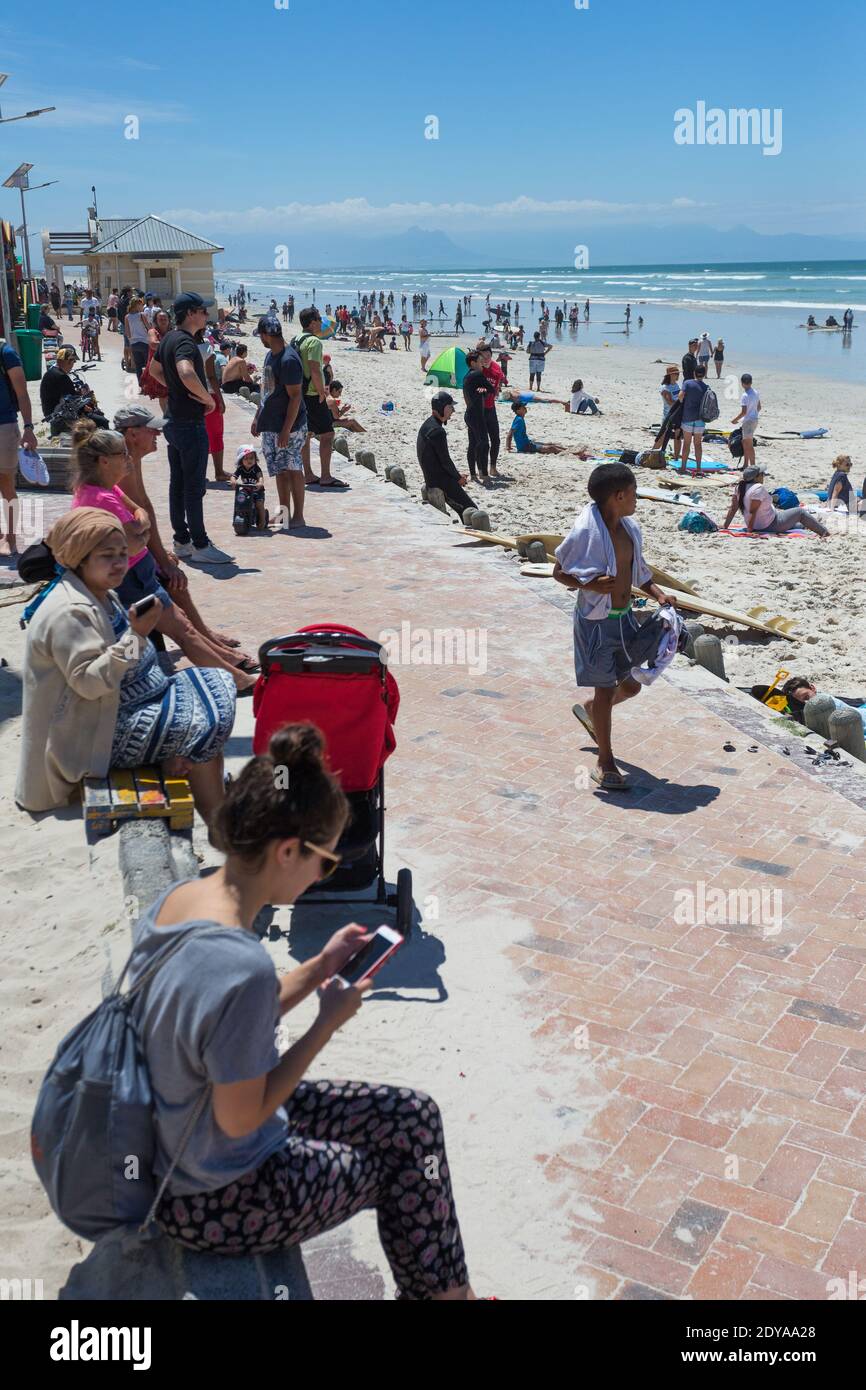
[245, 509]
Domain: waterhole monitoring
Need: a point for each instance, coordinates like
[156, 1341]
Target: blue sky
[548, 115]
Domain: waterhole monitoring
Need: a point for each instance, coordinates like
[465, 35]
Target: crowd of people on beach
[279, 1157]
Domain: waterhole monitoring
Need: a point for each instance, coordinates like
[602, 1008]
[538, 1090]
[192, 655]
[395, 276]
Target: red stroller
[334, 677]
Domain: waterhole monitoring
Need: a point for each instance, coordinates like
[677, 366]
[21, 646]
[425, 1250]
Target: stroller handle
[320, 648]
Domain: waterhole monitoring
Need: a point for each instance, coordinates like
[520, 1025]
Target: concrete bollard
[367, 459]
[397, 477]
[436, 498]
[244, 391]
[388, 467]
[846, 729]
[255, 398]
[424, 497]
[341, 446]
[694, 630]
[469, 514]
[816, 714]
[481, 521]
[536, 553]
[710, 655]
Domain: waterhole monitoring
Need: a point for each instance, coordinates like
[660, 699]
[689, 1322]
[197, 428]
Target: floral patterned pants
[351, 1145]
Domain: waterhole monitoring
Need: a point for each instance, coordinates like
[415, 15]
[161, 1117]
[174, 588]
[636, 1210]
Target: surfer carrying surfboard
[601, 559]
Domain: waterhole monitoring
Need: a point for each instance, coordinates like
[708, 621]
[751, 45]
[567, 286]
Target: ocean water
[756, 307]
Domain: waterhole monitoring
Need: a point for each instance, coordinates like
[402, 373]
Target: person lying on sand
[752, 499]
[798, 691]
[601, 559]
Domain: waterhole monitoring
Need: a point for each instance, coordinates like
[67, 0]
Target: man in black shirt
[281, 420]
[690, 361]
[179, 365]
[434, 458]
[475, 388]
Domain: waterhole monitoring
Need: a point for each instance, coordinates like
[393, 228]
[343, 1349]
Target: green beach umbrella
[449, 368]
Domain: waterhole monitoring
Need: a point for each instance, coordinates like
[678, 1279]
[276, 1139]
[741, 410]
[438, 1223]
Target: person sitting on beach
[100, 461]
[582, 402]
[436, 463]
[95, 696]
[519, 437]
[267, 1158]
[840, 489]
[752, 499]
[141, 429]
[798, 691]
[811, 321]
[602, 559]
[342, 413]
[238, 372]
[831, 322]
[249, 474]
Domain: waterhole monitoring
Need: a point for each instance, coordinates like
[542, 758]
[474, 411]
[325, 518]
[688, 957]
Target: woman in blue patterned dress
[95, 696]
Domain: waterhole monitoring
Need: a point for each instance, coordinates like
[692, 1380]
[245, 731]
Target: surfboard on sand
[658, 494]
[530, 571]
[551, 542]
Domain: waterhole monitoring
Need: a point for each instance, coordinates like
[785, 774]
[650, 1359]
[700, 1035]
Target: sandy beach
[818, 584]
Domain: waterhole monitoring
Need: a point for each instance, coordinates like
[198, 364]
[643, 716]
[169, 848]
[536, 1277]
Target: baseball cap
[441, 399]
[755, 471]
[190, 300]
[133, 417]
[269, 323]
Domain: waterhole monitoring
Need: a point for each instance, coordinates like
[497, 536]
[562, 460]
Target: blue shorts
[528, 448]
[142, 579]
[605, 649]
[694, 426]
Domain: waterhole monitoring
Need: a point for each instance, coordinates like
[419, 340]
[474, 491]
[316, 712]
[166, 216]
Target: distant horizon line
[556, 269]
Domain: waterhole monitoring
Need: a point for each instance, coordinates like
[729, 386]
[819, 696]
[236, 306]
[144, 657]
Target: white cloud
[359, 212]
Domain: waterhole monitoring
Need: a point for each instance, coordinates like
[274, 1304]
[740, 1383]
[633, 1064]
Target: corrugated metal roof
[110, 226]
[151, 236]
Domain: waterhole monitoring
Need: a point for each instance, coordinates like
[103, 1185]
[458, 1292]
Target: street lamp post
[20, 179]
[26, 115]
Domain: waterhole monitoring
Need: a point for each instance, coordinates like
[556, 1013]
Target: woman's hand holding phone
[341, 947]
[143, 623]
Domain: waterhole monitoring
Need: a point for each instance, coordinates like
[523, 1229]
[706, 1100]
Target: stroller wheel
[404, 901]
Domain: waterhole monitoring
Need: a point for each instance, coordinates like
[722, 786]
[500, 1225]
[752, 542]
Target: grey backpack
[709, 406]
[93, 1139]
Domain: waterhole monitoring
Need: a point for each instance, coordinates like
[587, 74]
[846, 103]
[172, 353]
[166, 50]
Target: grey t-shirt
[208, 1015]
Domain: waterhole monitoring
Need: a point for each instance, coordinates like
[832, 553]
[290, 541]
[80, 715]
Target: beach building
[144, 251]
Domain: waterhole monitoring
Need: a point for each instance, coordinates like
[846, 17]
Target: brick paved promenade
[708, 1079]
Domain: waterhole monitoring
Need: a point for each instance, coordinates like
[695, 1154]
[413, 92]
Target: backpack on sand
[92, 1138]
[709, 406]
[735, 444]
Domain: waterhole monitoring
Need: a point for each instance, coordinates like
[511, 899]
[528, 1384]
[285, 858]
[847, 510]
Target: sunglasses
[333, 860]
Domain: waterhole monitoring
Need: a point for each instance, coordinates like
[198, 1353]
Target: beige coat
[73, 667]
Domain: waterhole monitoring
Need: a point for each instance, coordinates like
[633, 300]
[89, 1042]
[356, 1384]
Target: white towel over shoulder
[588, 552]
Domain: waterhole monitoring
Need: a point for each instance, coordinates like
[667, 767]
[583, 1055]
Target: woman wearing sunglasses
[252, 1156]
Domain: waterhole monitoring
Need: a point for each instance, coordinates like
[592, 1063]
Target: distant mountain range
[424, 249]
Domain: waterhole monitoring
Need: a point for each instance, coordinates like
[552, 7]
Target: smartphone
[143, 605]
[371, 957]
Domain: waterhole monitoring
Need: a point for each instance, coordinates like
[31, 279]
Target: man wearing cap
[13, 397]
[434, 458]
[281, 420]
[178, 365]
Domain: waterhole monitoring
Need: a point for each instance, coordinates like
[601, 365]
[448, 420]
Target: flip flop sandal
[249, 665]
[335, 482]
[583, 718]
[610, 781]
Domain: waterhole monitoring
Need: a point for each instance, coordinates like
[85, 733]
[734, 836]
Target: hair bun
[299, 746]
[83, 428]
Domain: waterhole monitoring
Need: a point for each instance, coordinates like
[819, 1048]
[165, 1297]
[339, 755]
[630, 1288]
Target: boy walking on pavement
[602, 559]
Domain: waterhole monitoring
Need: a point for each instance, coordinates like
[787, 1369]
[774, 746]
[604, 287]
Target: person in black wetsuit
[475, 389]
[434, 458]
